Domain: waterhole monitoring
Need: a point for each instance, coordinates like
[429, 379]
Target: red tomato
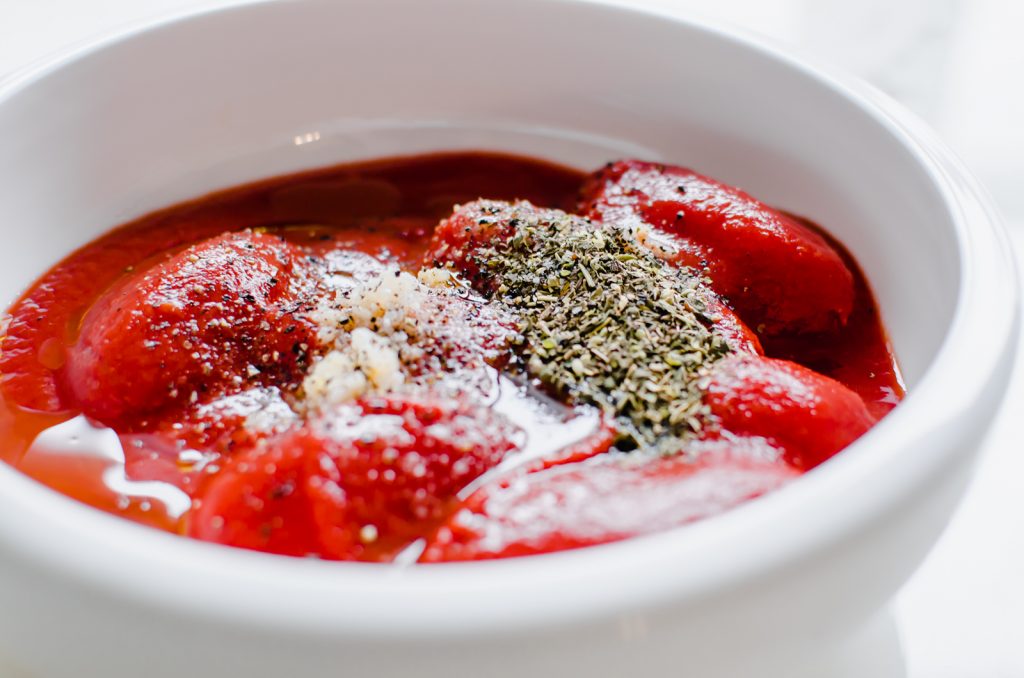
[477, 224]
[780, 276]
[359, 483]
[810, 416]
[211, 318]
[260, 502]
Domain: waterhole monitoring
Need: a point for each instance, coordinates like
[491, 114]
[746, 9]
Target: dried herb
[607, 323]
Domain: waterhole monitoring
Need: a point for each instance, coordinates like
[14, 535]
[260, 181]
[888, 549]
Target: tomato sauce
[154, 471]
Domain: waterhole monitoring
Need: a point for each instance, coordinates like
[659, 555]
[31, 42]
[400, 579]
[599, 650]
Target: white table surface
[960, 65]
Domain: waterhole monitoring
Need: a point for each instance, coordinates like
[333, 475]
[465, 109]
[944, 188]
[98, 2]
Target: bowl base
[874, 650]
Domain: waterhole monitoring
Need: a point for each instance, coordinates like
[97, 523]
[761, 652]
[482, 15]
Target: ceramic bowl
[185, 106]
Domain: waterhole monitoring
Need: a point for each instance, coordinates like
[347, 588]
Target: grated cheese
[392, 331]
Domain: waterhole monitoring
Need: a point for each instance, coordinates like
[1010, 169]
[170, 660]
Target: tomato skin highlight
[780, 276]
[606, 499]
[209, 318]
[810, 416]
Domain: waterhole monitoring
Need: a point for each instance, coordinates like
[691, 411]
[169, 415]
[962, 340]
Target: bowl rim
[247, 589]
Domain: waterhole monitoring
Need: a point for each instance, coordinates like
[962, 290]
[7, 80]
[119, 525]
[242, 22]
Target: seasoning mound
[387, 331]
[603, 320]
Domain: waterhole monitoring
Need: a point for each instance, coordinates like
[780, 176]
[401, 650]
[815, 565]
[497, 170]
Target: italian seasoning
[605, 322]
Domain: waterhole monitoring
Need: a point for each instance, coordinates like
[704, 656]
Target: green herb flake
[605, 322]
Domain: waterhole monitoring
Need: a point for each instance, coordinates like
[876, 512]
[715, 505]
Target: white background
[959, 64]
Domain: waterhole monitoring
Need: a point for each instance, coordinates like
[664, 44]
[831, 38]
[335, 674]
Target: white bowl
[182, 107]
